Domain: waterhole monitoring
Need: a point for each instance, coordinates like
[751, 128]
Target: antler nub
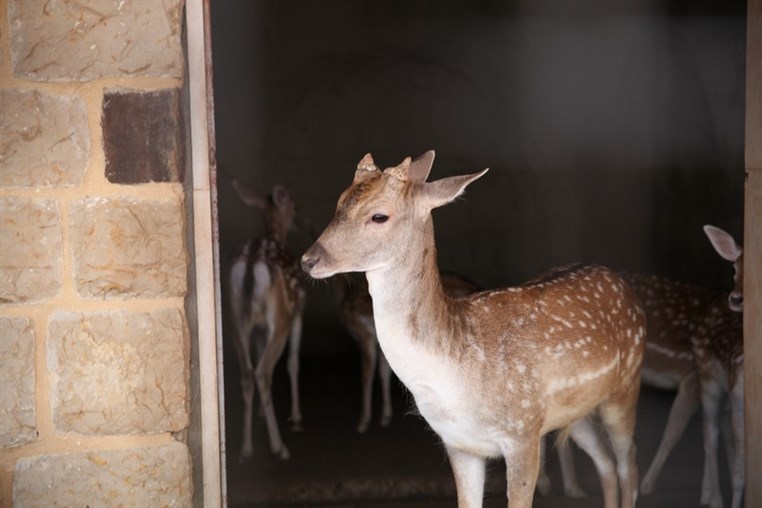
[401, 171]
[367, 163]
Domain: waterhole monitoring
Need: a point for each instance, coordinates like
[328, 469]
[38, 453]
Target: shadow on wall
[613, 133]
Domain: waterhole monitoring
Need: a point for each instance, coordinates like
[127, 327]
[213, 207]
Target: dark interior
[614, 131]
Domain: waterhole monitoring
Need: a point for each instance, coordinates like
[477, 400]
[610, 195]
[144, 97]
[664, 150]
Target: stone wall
[94, 344]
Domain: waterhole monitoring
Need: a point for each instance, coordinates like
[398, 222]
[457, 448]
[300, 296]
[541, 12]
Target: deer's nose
[736, 300]
[309, 260]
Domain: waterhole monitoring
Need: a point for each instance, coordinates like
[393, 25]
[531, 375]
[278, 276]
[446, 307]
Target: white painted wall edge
[204, 258]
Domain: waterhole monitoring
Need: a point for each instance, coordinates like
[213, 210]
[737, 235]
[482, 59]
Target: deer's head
[278, 208]
[380, 215]
[726, 246]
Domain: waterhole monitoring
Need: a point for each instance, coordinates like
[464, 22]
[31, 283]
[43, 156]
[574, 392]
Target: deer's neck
[276, 230]
[409, 305]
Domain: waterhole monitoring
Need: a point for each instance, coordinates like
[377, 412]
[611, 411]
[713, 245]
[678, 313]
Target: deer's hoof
[362, 427]
[245, 456]
[282, 454]
[297, 427]
[575, 491]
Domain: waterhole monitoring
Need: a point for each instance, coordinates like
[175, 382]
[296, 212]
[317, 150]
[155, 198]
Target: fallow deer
[673, 310]
[356, 313]
[492, 372]
[266, 290]
[718, 352]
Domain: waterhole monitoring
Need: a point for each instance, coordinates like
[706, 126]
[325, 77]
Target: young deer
[718, 352]
[356, 312]
[492, 372]
[267, 297]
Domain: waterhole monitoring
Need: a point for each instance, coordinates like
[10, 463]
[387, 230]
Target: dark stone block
[143, 136]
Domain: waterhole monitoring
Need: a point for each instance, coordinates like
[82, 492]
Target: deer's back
[263, 273]
[672, 310]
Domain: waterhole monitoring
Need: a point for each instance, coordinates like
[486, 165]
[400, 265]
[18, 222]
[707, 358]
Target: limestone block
[44, 139]
[156, 476]
[124, 247]
[30, 249]
[17, 412]
[58, 40]
[119, 372]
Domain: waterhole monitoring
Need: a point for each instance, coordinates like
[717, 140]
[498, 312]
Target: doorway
[613, 134]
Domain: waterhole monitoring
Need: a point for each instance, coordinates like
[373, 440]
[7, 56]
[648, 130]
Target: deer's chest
[454, 418]
[442, 398]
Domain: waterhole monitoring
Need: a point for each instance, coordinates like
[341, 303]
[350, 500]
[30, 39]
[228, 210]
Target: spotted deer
[718, 351]
[493, 372]
[356, 313]
[672, 309]
[266, 290]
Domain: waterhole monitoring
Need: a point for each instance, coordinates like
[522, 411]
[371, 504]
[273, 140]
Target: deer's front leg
[469, 477]
[711, 396]
[737, 409]
[522, 461]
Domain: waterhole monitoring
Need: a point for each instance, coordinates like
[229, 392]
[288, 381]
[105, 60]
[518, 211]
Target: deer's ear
[421, 166]
[724, 243]
[441, 192]
[280, 196]
[365, 168]
[248, 195]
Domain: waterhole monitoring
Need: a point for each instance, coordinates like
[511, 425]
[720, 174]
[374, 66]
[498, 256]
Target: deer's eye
[379, 218]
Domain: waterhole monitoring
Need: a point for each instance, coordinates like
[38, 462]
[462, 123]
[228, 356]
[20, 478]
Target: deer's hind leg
[683, 407]
[385, 374]
[618, 417]
[243, 343]
[278, 333]
[587, 438]
[247, 377]
[368, 358]
[294, 346]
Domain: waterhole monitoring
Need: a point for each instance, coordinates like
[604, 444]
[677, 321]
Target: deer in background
[672, 310]
[356, 313]
[266, 290]
[718, 352]
[493, 372]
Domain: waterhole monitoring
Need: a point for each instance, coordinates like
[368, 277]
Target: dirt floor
[404, 465]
